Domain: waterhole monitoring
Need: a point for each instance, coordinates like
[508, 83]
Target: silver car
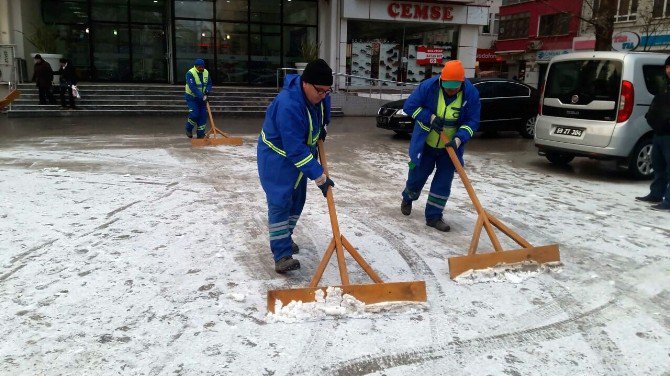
[593, 105]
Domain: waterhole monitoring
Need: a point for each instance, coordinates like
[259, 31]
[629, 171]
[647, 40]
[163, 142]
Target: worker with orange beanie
[447, 104]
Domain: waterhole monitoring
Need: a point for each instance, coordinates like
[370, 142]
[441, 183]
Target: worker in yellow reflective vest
[286, 154]
[446, 104]
[198, 86]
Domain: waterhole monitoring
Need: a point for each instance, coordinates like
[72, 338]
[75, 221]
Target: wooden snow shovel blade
[414, 291]
[379, 291]
[214, 136]
[460, 264]
[9, 98]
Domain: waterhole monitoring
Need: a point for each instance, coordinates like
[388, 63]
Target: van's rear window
[588, 79]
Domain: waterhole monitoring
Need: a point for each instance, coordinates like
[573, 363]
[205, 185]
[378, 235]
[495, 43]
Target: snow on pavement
[128, 257]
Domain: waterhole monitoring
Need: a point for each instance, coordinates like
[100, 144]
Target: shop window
[265, 11]
[112, 52]
[64, 12]
[514, 26]
[661, 8]
[109, 10]
[232, 10]
[194, 8]
[143, 11]
[554, 24]
[300, 12]
[626, 11]
[294, 36]
[149, 44]
[74, 44]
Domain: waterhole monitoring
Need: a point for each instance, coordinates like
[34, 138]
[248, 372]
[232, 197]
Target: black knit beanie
[318, 72]
[667, 61]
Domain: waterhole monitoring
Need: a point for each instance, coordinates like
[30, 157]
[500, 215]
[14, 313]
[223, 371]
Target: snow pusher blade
[377, 292]
[214, 136]
[9, 98]
[460, 264]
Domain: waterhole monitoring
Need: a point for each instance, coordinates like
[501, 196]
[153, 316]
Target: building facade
[244, 42]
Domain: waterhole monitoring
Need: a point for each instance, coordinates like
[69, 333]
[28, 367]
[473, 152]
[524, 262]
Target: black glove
[455, 143]
[323, 133]
[438, 124]
[324, 187]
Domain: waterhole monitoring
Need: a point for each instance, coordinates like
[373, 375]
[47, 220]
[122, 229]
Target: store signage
[428, 55]
[625, 41]
[547, 55]
[487, 55]
[420, 11]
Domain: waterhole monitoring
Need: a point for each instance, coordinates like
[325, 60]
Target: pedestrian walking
[658, 118]
[68, 78]
[286, 155]
[43, 75]
[198, 86]
[446, 104]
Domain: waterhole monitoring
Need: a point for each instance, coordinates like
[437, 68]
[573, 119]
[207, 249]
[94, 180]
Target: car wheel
[528, 128]
[639, 160]
[559, 159]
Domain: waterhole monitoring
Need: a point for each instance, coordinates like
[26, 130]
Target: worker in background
[198, 86]
[287, 155]
[447, 104]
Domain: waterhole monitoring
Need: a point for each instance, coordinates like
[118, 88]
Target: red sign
[487, 56]
[428, 55]
[420, 11]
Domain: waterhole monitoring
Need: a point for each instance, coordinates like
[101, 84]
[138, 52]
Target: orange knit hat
[452, 74]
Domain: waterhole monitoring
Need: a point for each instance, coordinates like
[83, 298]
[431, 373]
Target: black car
[506, 105]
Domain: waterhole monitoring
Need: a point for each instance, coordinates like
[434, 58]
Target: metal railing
[377, 85]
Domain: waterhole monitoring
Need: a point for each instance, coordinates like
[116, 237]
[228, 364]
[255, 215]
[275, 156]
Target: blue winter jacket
[423, 103]
[286, 130]
[190, 81]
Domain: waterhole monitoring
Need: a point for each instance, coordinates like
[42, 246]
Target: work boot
[294, 247]
[649, 198]
[286, 264]
[438, 224]
[189, 134]
[406, 207]
[665, 206]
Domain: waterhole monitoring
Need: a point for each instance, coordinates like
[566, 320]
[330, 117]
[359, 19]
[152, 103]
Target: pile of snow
[514, 273]
[334, 304]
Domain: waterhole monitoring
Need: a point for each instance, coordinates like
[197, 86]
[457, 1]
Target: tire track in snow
[376, 363]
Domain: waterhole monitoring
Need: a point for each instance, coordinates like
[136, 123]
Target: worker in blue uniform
[198, 86]
[446, 104]
[286, 154]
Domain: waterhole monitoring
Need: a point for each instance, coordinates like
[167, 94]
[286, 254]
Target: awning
[510, 52]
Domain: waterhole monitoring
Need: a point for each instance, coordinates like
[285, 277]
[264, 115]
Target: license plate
[567, 131]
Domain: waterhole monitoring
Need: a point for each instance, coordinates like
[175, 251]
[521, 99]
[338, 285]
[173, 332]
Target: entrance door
[148, 57]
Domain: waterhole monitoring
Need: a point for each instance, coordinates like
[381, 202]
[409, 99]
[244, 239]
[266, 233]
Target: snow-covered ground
[138, 255]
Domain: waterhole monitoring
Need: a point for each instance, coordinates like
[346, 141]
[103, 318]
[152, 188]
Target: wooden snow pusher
[214, 136]
[379, 291]
[460, 264]
[9, 98]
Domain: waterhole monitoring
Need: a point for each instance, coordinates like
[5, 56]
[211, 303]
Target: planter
[53, 60]
[300, 67]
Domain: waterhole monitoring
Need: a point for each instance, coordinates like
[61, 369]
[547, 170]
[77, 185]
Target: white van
[593, 105]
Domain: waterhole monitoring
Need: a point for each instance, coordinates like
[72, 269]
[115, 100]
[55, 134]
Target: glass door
[111, 58]
[149, 58]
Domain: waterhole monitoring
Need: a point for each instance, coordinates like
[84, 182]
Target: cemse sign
[420, 11]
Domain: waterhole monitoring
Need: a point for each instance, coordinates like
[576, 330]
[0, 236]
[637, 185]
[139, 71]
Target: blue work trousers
[283, 216]
[197, 115]
[440, 188]
[660, 161]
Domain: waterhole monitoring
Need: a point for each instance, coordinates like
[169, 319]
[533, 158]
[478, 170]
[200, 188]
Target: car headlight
[400, 113]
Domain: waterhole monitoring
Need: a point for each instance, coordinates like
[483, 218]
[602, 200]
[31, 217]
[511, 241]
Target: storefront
[244, 42]
[406, 41]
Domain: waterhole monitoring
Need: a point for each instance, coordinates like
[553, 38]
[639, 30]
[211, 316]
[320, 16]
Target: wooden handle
[344, 276]
[471, 192]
